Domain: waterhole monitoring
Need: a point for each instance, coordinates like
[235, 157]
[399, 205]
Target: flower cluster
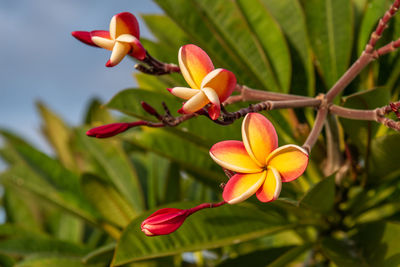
[259, 166]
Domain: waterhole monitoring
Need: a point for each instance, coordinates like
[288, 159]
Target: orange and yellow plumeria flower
[122, 39]
[260, 165]
[208, 85]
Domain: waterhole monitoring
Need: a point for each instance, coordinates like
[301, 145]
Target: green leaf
[291, 19]
[187, 154]
[110, 204]
[384, 159]
[25, 246]
[362, 132]
[101, 254]
[321, 196]
[96, 113]
[341, 253]
[128, 102]
[212, 228]
[378, 243]
[212, 33]
[117, 166]
[58, 134]
[52, 261]
[379, 213]
[20, 176]
[330, 24]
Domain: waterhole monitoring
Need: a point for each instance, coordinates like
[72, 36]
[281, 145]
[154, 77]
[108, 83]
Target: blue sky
[40, 60]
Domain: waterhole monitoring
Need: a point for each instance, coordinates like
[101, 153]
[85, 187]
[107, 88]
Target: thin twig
[316, 130]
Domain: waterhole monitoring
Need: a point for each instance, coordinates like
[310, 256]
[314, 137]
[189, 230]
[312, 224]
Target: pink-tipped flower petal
[164, 221]
[271, 188]
[241, 186]
[290, 161]
[259, 137]
[222, 81]
[138, 50]
[84, 37]
[233, 156]
[124, 23]
[183, 92]
[215, 108]
[195, 103]
[194, 64]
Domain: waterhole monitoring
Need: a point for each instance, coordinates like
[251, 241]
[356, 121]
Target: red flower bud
[164, 221]
[112, 129]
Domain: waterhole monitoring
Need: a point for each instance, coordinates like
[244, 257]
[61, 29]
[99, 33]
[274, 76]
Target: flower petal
[241, 186]
[195, 103]
[259, 137]
[233, 156]
[119, 51]
[137, 49]
[271, 187]
[84, 37]
[123, 23]
[183, 92]
[215, 108]
[222, 81]
[195, 64]
[103, 42]
[290, 161]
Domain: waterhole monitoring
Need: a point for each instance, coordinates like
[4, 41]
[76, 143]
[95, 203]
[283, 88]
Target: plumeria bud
[112, 129]
[168, 220]
[149, 109]
[164, 221]
[122, 38]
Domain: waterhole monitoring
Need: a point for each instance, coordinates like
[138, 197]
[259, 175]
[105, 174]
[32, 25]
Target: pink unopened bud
[168, 220]
[112, 129]
[149, 109]
[164, 221]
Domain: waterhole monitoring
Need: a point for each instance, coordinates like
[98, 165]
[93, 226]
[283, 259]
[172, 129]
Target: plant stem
[349, 75]
[317, 128]
[354, 114]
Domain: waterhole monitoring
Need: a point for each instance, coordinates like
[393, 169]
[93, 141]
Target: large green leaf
[321, 196]
[362, 132]
[207, 229]
[110, 204]
[378, 243]
[278, 256]
[20, 176]
[384, 162]
[23, 246]
[58, 134]
[205, 31]
[187, 154]
[341, 253]
[52, 261]
[117, 166]
[291, 19]
[330, 24]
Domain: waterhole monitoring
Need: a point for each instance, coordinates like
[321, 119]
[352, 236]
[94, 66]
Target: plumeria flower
[260, 165]
[208, 85]
[122, 39]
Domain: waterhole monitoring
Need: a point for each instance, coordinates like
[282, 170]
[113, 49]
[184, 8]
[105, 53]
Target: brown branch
[156, 67]
[317, 128]
[368, 55]
[354, 114]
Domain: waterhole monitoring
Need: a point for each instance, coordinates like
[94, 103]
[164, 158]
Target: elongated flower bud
[112, 129]
[168, 220]
[164, 221]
